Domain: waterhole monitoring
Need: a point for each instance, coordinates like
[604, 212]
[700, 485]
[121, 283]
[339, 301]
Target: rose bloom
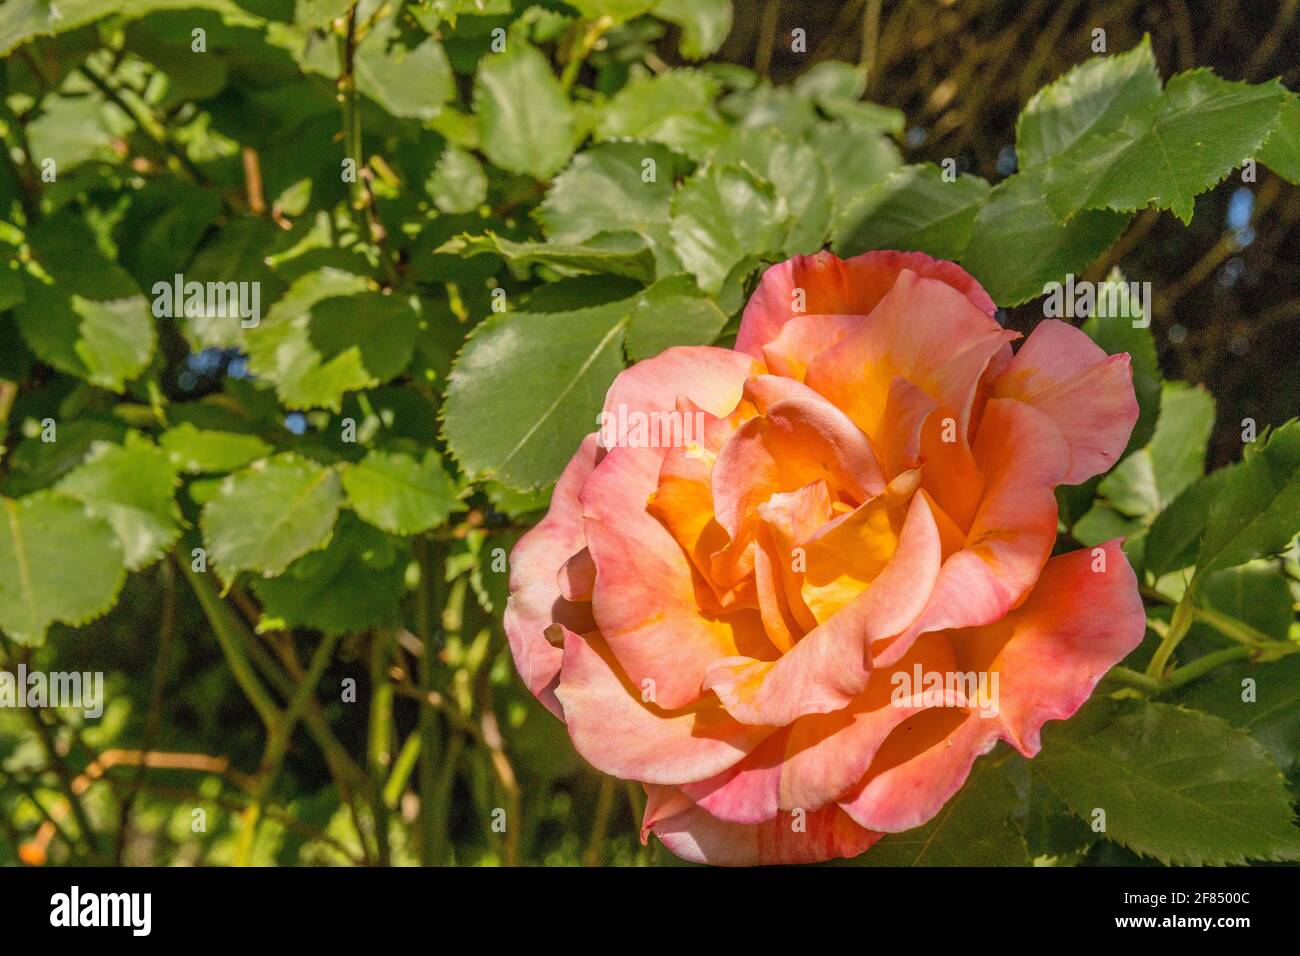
[736, 620]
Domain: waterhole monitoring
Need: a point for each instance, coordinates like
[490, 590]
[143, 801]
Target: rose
[738, 621]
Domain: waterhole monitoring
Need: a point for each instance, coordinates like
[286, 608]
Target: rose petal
[845, 555]
[712, 378]
[1089, 394]
[683, 499]
[831, 664]
[828, 753]
[922, 330]
[646, 597]
[746, 792]
[620, 735]
[695, 835]
[536, 600]
[576, 577]
[920, 429]
[920, 766]
[782, 628]
[1023, 457]
[802, 339]
[791, 518]
[1050, 652]
[799, 441]
[834, 286]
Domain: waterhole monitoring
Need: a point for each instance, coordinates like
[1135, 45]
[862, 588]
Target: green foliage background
[284, 543]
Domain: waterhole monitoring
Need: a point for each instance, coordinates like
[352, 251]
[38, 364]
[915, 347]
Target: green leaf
[379, 328]
[237, 253]
[76, 127]
[1116, 334]
[973, 829]
[855, 157]
[859, 114]
[671, 312]
[799, 177]
[161, 227]
[432, 13]
[1101, 523]
[132, 487]
[1281, 152]
[399, 493]
[408, 83]
[912, 209]
[1095, 98]
[705, 24]
[57, 564]
[615, 253]
[1262, 699]
[771, 108]
[605, 189]
[721, 216]
[319, 13]
[1145, 482]
[832, 81]
[1016, 247]
[458, 183]
[1255, 593]
[527, 388]
[199, 450]
[270, 514]
[1257, 512]
[329, 335]
[1177, 531]
[1205, 126]
[355, 582]
[11, 288]
[85, 316]
[525, 120]
[578, 292]
[1181, 786]
[674, 108]
[1050, 829]
[25, 19]
[617, 10]
[36, 464]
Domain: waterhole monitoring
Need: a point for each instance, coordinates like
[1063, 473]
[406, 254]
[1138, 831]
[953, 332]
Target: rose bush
[734, 620]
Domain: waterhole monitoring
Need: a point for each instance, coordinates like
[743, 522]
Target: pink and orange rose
[733, 619]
